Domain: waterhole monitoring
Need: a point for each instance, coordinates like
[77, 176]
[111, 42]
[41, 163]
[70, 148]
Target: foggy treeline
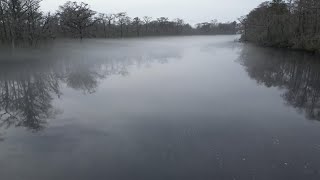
[22, 21]
[290, 23]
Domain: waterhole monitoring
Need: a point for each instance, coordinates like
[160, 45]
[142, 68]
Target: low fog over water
[201, 107]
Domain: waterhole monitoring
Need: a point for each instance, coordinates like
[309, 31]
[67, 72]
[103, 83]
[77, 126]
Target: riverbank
[284, 46]
[292, 25]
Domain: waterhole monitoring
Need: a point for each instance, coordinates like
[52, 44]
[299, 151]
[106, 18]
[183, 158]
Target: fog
[197, 107]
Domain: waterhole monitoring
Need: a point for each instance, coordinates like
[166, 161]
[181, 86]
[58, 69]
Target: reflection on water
[298, 74]
[158, 108]
[28, 87]
[26, 97]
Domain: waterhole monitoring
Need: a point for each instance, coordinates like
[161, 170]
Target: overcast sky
[193, 11]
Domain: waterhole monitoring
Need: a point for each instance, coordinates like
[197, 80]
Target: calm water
[159, 108]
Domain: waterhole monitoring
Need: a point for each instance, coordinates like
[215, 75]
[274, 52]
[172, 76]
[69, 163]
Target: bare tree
[3, 18]
[122, 18]
[137, 23]
[147, 21]
[110, 18]
[16, 10]
[179, 23]
[103, 20]
[127, 23]
[22, 21]
[76, 18]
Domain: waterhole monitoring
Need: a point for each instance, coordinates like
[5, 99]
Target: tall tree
[76, 18]
[137, 23]
[122, 18]
[102, 18]
[110, 18]
[147, 20]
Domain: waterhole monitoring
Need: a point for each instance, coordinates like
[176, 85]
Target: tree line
[22, 21]
[284, 23]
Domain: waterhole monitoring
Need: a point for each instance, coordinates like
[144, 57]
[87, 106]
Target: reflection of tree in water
[27, 90]
[295, 72]
[26, 98]
[80, 77]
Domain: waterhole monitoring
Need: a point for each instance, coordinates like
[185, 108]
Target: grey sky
[193, 11]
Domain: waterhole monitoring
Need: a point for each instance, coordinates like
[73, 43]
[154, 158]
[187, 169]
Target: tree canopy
[289, 23]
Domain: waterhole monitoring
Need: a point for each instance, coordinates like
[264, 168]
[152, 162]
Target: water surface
[202, 107]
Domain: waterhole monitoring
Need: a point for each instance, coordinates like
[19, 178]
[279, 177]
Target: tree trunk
[147, 28]
[81, 33]
[316, 22]
[5, 36]
[104, 30]
[138, 30]
[121, 30]
[109, 28]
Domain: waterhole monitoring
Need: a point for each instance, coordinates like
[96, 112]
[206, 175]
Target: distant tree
[110, 18]
[76, 18]
[179, 25]
[243, 27]
[147, 20]
[213, 27]
[103, 20]
[122, 18]
[127, 24]
[137, 24]
[163, 22]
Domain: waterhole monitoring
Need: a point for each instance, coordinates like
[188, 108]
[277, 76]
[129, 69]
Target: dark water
[159, 108]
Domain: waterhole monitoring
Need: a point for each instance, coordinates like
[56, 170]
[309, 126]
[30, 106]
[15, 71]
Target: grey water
[198, 107]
